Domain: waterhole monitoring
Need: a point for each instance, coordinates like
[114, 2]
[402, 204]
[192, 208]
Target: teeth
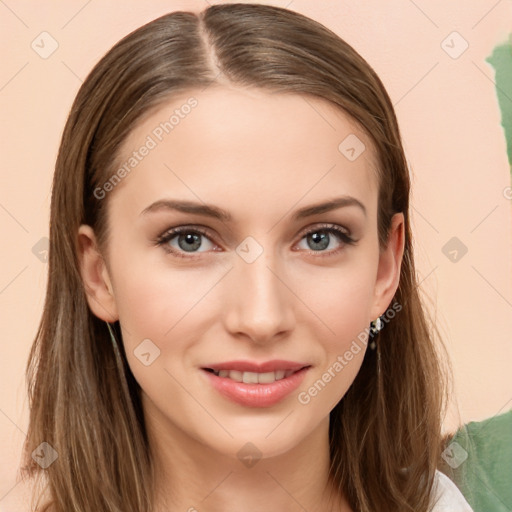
[266, 378]
[250, 378]
[235, 375]
[253, 377]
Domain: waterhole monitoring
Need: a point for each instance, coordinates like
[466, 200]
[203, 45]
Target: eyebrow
[215, 212]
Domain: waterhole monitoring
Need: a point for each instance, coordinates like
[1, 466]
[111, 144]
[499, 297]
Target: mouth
[256, 384]
[253, 377]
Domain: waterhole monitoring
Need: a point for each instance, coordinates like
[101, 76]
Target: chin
[260, 438]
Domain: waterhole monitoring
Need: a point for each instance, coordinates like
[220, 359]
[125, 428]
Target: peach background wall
[446, 104]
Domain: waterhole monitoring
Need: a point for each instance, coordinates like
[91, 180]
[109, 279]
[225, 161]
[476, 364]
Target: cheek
[340, 304]
[344, 313]
[340, 299]
[152, 296]
[170, 307]
[167, 307]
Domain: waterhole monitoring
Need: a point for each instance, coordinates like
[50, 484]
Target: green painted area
[481, 457]
[501, 60]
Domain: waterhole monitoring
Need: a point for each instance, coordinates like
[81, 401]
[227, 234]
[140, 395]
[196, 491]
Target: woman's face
[262, 281]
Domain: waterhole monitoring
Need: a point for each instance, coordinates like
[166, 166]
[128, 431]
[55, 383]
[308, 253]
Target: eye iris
[320, 238]
[193, 241]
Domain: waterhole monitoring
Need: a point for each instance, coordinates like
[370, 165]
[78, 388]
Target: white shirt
[446, 496]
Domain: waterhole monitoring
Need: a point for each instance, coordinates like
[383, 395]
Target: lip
[256, 395]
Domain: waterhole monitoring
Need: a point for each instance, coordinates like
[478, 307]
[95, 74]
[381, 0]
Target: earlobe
[390, 261]
[95, 277]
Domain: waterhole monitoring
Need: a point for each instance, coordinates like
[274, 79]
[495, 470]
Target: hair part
[83, 398]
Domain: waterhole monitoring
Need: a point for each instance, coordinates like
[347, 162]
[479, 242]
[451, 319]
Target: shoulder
[446, 496]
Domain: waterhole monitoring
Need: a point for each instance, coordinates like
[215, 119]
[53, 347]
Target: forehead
[258, 142]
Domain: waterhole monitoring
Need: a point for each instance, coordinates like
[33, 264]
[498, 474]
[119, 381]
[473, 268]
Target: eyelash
[167, 236]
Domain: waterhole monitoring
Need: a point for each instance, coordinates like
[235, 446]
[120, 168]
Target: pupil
[193, 242]
[322, 239]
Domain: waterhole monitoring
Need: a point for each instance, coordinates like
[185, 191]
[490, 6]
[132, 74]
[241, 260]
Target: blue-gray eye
[185, 240]
[319, 240]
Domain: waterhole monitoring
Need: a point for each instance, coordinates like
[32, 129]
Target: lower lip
[256, 395]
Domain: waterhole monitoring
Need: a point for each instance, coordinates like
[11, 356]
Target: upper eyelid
[326, 225]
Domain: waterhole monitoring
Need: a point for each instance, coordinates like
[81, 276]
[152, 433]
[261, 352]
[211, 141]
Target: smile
[256, 384]
[252, 377]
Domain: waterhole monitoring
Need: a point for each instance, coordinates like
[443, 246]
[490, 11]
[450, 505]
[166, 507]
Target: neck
[193, 477]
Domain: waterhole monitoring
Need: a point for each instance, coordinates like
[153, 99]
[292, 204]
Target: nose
[259, 304]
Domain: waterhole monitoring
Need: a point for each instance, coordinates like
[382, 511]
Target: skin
[260, 156]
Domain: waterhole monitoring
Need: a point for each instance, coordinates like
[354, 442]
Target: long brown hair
[84, 401]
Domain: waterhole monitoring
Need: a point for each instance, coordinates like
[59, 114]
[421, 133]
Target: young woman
[232, 320]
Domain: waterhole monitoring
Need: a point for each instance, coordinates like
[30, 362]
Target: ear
[97, 283]
[390, 261]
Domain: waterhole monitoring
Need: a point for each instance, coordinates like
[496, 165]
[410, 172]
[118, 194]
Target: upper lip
[263, 367]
